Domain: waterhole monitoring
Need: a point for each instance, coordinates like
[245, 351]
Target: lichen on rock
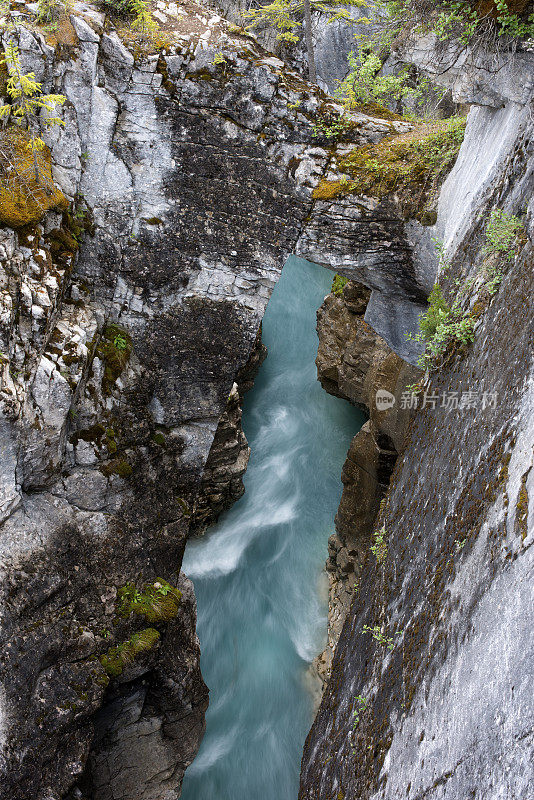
[27, 188]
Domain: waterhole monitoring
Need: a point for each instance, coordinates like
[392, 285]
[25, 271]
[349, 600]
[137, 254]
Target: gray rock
[122, 355]
[447, 711]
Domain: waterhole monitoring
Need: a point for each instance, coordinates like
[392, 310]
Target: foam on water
[257, 573]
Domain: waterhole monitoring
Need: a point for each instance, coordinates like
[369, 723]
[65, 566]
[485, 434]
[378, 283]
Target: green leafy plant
[143, 22]
[362, 703]
[463, 21]
[510, 24]
[114, 349]
[456, 20]
[441, 326]
[338, 284]
[50, 11]
[380, 549]
[378, 636]
[332, 124]
[27, 189]
[287, 17]
[120, 342]
[502, 233]
[444, 324]
[157, 602]
[27, 101]
[365, 89]
[438, 313]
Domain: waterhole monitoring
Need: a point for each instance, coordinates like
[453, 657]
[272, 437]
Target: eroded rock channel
[258, 573]
[131, 297]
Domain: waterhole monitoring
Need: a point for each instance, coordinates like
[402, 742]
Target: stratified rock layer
[354, 362]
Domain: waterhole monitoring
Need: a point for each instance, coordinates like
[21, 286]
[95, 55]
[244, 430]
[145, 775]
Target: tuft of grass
[156, 602]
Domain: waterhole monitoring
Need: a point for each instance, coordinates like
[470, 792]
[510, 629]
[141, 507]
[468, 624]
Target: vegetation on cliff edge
[410, 166]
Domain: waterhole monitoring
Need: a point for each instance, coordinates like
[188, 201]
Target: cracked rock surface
[429, 694]
[193, 182]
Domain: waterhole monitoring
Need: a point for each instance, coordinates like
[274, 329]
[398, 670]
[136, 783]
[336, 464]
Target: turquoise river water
[259, 572]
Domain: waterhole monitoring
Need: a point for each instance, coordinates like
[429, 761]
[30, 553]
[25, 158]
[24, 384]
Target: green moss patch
[374, 109]
[27, 189]
[114, 349]
[118, 658]
[92, 434]
[111, 443]
[411, 166]
[118, 466]
[156, 602]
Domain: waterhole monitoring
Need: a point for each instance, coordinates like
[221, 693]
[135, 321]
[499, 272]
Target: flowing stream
[258, 573]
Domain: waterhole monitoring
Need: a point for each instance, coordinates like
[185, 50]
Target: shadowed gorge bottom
[258, 573]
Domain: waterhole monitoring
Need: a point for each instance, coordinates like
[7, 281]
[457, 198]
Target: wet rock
[148, 733]
[222, 479]
[355, 363]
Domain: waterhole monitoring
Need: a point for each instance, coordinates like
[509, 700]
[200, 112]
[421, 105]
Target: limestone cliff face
[429, 695]
[333, 41]
[222, 479]
[193, 180]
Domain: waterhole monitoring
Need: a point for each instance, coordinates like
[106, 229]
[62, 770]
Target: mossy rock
[119, 466]
[111, 443]
[156, 602]
[114, 349]
[118, 658]
[184, 507]
[92, 434]
[378, 110]
[410, 166]
[24, 196]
